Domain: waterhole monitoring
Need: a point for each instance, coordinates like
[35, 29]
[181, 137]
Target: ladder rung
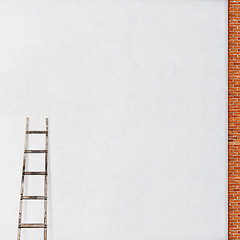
[34, 198]
[35, 151]
[36, 132]
[32, 225]
[34, 173]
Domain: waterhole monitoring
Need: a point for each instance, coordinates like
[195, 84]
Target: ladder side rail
[22, 182]
[46, 182]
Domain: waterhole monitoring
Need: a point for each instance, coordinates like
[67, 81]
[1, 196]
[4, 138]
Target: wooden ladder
[24, 173]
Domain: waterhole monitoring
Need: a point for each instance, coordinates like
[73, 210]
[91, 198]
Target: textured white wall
[136, 95]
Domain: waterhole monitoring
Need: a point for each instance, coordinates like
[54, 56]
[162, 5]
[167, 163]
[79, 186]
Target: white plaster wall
[136, 95]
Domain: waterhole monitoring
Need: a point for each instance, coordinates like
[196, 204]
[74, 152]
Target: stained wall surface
[136, 96]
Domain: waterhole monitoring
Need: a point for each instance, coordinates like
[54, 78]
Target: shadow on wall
[50, 214]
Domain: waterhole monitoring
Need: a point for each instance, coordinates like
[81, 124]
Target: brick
[233, 120]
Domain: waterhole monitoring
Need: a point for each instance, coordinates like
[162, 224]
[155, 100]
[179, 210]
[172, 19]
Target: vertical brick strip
[233, 119]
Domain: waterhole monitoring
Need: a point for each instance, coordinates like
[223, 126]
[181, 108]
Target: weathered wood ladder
[24, 173]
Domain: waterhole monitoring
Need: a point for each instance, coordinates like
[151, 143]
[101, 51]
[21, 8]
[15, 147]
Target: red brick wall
[234, 119]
